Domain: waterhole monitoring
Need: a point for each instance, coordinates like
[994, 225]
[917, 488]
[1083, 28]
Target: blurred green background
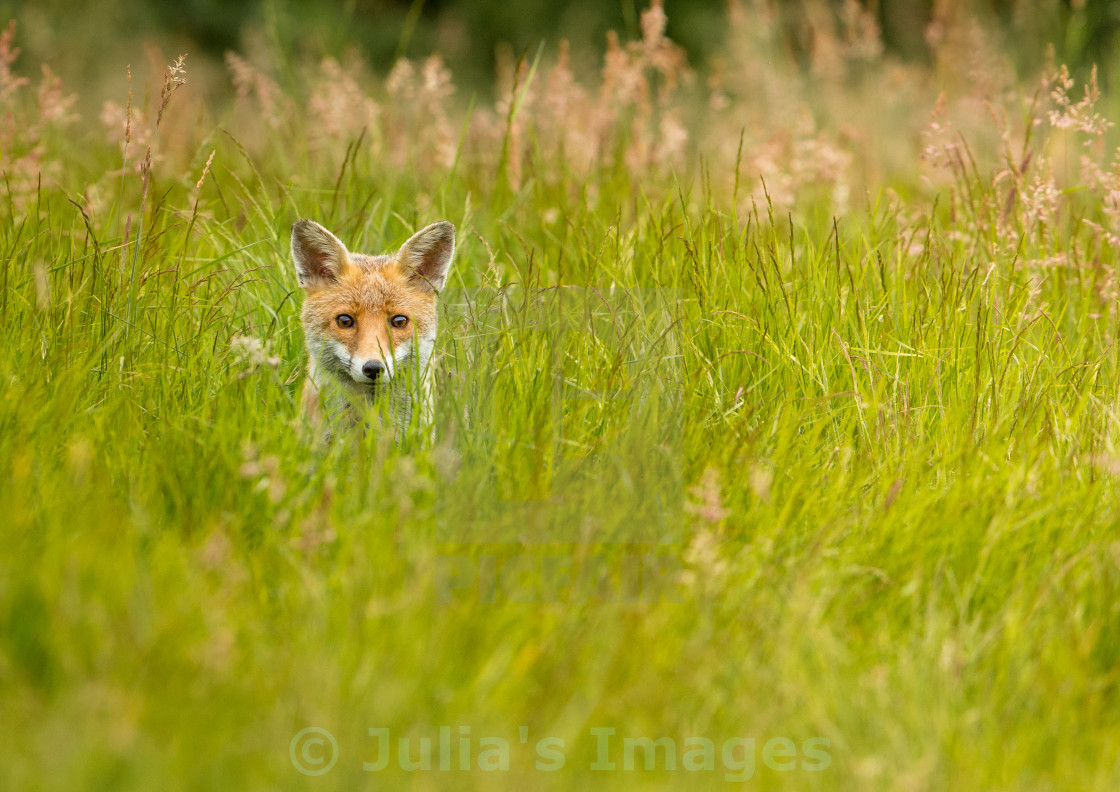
[89, 40]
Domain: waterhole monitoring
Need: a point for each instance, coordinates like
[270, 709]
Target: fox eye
[399, 321]
[344, 320]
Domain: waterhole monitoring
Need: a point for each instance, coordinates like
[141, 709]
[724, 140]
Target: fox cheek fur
[369, 320]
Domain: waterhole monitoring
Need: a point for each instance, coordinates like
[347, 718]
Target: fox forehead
[372, 284]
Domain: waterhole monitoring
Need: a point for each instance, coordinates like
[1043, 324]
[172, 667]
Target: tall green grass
[702, 467]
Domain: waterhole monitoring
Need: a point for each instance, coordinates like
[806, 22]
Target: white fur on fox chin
[410, 390]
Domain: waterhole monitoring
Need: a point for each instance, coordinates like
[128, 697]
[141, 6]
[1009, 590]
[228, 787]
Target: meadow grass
[709, 461]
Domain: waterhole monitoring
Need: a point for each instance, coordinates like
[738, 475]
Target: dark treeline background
[83, 39]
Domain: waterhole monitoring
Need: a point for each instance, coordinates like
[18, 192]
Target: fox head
[368, 320]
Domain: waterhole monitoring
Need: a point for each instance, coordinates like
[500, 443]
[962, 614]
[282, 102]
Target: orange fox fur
[369, 322]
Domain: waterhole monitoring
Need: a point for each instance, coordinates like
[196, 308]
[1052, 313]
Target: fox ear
[318, 254]
[428, 254]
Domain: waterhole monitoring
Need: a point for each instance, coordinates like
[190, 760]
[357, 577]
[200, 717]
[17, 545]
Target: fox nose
[373, 369]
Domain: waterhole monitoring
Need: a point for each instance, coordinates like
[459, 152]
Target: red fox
[369, 322]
